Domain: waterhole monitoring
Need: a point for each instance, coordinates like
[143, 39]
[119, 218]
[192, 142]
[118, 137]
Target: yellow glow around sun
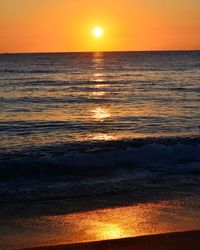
[97, 32]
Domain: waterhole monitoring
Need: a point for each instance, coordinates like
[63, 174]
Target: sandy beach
[183, 241]
[109, 228]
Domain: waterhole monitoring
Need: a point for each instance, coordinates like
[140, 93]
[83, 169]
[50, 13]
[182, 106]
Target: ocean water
[81, 124]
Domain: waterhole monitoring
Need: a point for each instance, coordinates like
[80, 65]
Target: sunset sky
[66, 25]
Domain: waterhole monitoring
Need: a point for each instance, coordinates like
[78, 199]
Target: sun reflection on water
[100, 93]
[100, 114]
[98, 75]
[98, 80]
[102, 137]
[98, 86]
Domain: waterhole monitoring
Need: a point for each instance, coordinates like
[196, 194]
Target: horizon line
[106, 51]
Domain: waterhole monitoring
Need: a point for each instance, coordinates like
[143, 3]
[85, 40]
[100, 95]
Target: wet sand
[104, 226]
[170, 241]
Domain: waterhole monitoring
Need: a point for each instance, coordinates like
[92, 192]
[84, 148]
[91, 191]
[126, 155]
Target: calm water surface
[72, 97]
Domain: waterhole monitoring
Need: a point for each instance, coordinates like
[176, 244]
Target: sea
[79, 125]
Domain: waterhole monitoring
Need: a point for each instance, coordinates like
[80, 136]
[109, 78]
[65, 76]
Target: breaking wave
[168, 155]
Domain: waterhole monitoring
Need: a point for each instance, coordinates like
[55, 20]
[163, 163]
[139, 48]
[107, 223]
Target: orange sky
[65, 25]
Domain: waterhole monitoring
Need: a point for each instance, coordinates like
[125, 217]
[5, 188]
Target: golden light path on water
[101, 137]
[100, 114]
[103, 224]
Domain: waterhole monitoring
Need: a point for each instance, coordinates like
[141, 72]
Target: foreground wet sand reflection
[102, 224]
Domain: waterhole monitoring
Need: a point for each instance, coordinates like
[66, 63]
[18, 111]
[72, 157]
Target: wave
[157, 155]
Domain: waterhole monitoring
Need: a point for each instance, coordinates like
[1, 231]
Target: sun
[97, 32]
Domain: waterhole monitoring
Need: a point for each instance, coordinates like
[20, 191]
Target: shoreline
[168, 241]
